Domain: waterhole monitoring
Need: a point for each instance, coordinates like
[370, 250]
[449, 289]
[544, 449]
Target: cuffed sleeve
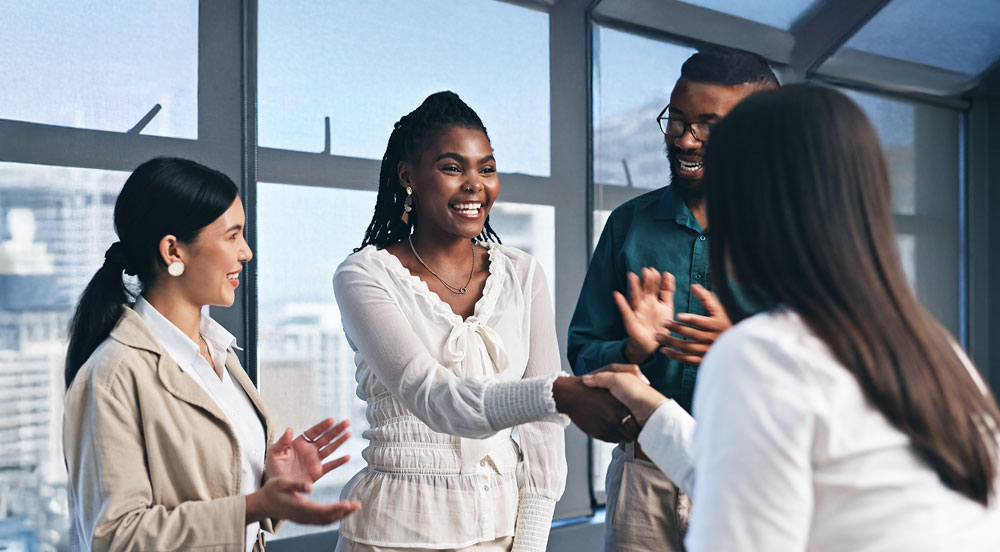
[534, 519]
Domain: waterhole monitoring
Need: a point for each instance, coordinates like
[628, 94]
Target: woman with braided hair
[166, 438]
[455, 344]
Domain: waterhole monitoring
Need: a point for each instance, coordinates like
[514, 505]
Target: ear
[404, 172]
[170, 249]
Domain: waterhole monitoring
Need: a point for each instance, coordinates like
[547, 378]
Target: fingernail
[587, 378]
[684, 316]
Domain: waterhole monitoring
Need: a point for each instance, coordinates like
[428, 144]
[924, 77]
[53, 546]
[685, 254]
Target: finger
[288, 485]
[683, 346]
[704, 322]
[328, 449]
[626, 369]
[332, 433]
[667, 287]
[681, 357]
[604, 380]
[628, 313]
[283, 442]
[650, 281]
[315, 431]
[634, 290]
[333, 464]
[692, 333]
[711, 302]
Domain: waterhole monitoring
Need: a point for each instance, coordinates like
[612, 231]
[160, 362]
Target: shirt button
[483, 463]
[697, 276]
[701, 238]
[486, 487]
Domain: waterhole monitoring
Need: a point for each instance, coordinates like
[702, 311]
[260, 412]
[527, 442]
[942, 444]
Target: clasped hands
[648, 317]
[291, 466]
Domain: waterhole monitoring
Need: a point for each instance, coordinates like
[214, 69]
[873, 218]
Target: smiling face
[214, 260]
[695, 102]
[454, 183]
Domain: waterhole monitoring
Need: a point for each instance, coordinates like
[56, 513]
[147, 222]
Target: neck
[697, 208]
[183, 314]
[442, 251]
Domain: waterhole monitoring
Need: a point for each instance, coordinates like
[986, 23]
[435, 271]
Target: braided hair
[410, 136]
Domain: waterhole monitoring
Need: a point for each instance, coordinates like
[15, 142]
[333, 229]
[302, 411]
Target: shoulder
[114, 367]
[520, 264]
[771, 346]
[639, 204]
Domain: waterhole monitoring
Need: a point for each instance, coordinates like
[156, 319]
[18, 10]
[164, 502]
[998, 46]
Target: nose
[245, 253]
[687, 141]
[474, 182]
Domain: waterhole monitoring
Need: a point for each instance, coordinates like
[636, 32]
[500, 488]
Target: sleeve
[596, 333]
[111, 491]
[466, 407]
[756, 410]
[541, 477]
[667, 438]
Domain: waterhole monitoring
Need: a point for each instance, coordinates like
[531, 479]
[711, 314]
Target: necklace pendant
[463, 291]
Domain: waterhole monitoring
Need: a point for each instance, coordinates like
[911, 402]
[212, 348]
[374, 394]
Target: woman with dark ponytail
[455, 344]
[166, 438]
[842, 417]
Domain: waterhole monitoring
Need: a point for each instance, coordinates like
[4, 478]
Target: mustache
[672, 152]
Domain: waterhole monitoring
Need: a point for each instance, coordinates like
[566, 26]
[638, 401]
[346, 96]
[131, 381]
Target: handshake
[611, 404]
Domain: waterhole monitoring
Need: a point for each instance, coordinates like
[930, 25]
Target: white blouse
[789, 455]
[442, 393]
[226, 391]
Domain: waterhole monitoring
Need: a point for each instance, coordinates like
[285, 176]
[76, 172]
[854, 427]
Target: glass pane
[921, 143]
[961, 37]
[300, 338]
[776, 13]
[101, 65]
[366, 64]
[633, 77]
[894, 121]
[55, 224]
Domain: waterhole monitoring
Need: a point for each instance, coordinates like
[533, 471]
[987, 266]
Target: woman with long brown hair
[843, 416]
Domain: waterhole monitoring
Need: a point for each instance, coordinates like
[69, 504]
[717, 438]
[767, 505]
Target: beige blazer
[153, 463]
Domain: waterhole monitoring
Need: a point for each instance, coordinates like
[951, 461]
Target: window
[366, 64]
[633, 78]
[55, 223]
[780, 14]
[65, 65]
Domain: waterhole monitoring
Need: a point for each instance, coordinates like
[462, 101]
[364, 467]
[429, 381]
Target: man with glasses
[665, 229]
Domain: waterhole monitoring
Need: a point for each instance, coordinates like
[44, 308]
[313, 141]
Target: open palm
[648, 308]
[301, 459]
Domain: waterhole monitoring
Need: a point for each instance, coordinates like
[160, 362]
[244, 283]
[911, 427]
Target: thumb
[288, 485]
[711, 302]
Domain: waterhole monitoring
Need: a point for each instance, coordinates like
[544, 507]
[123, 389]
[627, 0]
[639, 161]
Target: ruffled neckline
[484, 305]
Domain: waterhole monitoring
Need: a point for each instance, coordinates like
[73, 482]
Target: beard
[687, 189]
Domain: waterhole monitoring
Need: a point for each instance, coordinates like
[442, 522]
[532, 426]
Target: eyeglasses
[675, 128]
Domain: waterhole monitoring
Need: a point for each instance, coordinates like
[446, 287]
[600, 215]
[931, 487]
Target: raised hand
[627, 384]
[700, 331]
[301, 458]
[594, 411]
[646, 311]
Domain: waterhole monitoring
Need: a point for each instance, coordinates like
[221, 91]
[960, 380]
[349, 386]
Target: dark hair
[799, 205]
[729, 67]
[162, 196]
[410, 136]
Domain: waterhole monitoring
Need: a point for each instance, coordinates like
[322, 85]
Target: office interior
[294, 100]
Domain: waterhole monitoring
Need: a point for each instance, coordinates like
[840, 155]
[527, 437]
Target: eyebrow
[234, 227]
[700, 116]
[461, 158]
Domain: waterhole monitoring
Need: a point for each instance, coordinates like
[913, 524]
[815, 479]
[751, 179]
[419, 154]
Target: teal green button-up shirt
[656, 230]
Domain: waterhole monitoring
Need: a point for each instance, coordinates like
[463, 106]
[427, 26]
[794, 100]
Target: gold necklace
[458, 290]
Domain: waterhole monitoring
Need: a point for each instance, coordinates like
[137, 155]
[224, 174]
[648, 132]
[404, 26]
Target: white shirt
[226, 392]
[442, 394]
[789, 455]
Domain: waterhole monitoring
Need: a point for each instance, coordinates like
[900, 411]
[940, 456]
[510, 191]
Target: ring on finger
[307, 438]
[626, 418]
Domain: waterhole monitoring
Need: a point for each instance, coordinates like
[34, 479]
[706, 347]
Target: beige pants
[503, 544]
[645, 510]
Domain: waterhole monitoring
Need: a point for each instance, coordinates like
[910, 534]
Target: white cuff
[519, 402]
[534, 519]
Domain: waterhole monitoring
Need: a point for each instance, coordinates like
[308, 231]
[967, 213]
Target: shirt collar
[175, 343]
[670, 207]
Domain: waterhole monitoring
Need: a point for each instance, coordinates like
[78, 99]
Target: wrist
[254, 507]
[635, 353]
[559, 388]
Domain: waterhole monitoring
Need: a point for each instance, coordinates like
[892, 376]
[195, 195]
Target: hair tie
[115, 257]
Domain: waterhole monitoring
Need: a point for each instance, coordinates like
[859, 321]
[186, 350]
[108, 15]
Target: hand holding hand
[700, 331]
[594, 411]
[626, 383]
[649, 307]
[301, 459]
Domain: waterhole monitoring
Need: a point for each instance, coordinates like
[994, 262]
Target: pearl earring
[176, 268]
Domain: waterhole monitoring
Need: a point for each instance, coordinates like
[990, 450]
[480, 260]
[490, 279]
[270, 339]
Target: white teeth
[470, 209]
[689, 166]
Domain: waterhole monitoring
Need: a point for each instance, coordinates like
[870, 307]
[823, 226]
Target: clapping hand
[646, 312]
[700, 331]
[291, 466]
